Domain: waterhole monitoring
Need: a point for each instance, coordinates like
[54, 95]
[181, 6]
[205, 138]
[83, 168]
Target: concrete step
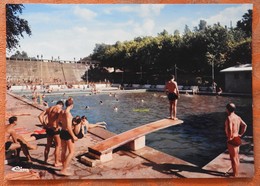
[90, 160]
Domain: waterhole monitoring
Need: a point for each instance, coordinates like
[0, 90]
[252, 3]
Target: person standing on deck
[67, 137]
[48, 119]
[172, 92]
[233, 124]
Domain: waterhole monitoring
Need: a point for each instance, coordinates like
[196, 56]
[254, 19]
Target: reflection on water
[198, 140]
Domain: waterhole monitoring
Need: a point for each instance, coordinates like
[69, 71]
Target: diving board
[134, 138]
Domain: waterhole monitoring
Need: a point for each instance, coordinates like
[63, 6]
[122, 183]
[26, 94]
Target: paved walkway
[143, 163]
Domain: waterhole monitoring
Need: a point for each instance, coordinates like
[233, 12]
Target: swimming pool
[198, 140]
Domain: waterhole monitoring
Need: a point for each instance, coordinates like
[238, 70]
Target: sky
[71, 31]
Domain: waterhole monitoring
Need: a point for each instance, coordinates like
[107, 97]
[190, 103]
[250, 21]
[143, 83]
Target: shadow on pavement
[177, 169]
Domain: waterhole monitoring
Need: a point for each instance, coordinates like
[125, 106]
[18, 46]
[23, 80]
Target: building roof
[238, 68]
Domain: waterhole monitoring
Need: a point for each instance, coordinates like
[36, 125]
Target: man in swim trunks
[172, 91]
[233, 124]
[67, 137]
[13, 141]
[48, 119]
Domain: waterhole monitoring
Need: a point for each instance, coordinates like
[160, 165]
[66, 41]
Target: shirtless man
[232, 128]
[172, 91]
[13, 141]
[48, 119]
[67, 137]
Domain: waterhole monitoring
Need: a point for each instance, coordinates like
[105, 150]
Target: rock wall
[47, 71]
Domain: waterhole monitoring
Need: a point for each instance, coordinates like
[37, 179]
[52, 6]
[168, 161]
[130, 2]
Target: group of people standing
[235, 127]
[64, 130]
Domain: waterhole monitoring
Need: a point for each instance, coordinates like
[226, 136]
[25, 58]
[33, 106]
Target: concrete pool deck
[140, 164]
[103, 88]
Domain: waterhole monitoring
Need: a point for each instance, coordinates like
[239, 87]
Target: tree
[202, 25]
[176, 33]
[15, 26]
[202, 52]
[187, 30]
[20, 55]
[246, 23]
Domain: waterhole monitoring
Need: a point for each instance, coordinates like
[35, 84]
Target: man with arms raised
[67, 137]
[49, 119]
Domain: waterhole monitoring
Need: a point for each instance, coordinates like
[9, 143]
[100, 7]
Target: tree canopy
[193, 52]
[20, 55]
[15, 26]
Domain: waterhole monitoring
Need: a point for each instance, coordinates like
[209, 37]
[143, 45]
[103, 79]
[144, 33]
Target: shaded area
[177, 169]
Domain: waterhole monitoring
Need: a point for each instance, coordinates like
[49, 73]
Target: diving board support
[134, 139]
[137, 144]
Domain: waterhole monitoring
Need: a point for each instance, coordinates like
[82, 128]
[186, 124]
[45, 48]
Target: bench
[134, 139]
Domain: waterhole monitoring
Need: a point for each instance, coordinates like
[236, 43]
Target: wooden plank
[130, 135]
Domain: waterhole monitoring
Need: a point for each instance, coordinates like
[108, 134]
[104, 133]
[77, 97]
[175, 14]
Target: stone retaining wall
[47, 71]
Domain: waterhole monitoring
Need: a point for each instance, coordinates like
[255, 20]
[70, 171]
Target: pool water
[198, 140]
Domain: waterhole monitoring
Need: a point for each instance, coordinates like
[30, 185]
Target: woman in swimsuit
[81, 126]
[77, 127]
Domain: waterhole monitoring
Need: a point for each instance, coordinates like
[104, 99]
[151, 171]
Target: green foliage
[15, 26]
[246, 23]
[20, 55]
[150, 59]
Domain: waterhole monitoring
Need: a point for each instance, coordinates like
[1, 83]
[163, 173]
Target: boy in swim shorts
[172, 92]
[67, 137]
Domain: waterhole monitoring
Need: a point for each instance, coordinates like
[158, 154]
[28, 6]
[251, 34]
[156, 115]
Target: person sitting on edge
[85, 122]
[81, 126]
[77, 128]
[233, 124]
[172, 91]
[16, 142]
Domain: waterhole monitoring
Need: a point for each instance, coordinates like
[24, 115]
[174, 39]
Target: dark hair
[84, 117]
[171, 76]
[69, 102]
[60, 103]
[231, 107]
[12, 119]
[76, 120]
